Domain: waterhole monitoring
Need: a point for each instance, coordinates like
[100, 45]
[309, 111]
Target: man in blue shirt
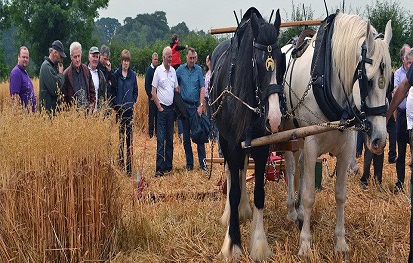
[192, 87]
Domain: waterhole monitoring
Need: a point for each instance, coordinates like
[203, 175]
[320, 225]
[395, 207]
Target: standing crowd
[92, 85]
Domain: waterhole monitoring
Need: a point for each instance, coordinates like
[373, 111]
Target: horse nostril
[376, 143]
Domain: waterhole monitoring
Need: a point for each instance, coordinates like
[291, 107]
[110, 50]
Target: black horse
[247, 99]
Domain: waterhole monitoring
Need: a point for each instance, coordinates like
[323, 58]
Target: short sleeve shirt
[165, 82]
[191, 82]
[21, 84]
[399, 75]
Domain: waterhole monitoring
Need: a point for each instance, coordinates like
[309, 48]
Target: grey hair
[403, 51]
[191, 49]
[154, 54]
[165, 49]
[75, 46]
[408, 54]
[105, 51]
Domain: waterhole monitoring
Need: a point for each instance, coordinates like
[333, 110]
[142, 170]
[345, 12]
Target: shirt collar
[92, 70]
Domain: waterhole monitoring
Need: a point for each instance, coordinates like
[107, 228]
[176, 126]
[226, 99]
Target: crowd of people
[91, 85]
[86, 86]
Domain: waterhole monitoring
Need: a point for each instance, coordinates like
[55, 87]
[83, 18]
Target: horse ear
[254, 25]
[369, 40]
[277, 22]
[388, 33]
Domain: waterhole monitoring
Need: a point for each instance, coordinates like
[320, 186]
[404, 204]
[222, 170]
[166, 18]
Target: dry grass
[176, 220]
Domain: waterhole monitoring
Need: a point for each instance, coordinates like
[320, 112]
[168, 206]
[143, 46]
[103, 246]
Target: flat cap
[57, 45]
[93, 50]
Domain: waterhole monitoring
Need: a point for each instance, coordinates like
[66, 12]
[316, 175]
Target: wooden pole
[292, 134]
[223, 30]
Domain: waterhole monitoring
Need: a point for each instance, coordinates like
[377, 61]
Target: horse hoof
[233, 255]
[261, 253]
[304, 251]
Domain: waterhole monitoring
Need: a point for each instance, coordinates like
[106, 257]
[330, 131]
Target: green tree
[144, 29]
[4, 69]
[298, 14]
[41, 22]
[401, 22]
[180, 29]
[105, 29]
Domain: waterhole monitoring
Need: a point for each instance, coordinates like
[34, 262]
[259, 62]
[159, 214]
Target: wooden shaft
[292, 134]
[224, 30]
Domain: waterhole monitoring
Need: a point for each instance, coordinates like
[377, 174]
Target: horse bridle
[272, 88]
[365, 85]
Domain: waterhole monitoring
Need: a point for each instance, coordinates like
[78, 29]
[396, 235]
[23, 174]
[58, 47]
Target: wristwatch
[201, 104]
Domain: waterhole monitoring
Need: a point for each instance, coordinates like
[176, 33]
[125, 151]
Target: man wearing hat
[51, 77]
[98, 78]
[78, 86]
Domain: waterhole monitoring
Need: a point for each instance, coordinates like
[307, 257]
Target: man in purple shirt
[21, 87]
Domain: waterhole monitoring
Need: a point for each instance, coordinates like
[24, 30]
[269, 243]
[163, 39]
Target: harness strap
[268, 48]
[321, 71]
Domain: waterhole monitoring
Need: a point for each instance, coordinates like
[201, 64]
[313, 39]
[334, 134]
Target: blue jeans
[191, 109]
[164, 139]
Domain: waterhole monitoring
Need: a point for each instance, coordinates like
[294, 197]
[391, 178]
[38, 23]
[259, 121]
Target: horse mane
[346, 47]
[243, 74]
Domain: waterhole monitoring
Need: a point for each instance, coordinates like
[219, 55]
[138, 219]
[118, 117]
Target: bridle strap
[268, 48]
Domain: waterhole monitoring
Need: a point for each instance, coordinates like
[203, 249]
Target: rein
[259, 94]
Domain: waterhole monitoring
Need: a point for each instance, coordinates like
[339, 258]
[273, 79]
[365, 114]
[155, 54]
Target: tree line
[37, 23]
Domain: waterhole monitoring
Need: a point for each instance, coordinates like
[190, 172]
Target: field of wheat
[63, 199]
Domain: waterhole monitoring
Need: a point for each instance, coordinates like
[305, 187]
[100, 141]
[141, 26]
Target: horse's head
[268, 67]
[371, 82]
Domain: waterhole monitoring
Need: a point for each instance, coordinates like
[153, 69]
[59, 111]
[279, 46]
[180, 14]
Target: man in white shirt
[98, 78]
[163, 85]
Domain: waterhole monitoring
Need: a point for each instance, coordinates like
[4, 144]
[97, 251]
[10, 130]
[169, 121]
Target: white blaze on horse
[245, 96]
[351, 86]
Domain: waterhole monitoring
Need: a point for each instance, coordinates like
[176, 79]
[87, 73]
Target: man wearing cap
[51, 77]
[105, 66]
[78, 86]
[98, 78]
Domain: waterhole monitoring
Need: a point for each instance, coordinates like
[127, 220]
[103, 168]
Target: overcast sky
[207, 14]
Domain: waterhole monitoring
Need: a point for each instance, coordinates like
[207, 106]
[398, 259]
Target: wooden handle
[223, 30]
[292, 134]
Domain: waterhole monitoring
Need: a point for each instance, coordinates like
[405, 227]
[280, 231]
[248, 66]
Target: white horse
[360, 71]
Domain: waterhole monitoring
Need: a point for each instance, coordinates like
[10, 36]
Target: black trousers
[402, 141]
[125, 135]
[377, 166]
[152, 115]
